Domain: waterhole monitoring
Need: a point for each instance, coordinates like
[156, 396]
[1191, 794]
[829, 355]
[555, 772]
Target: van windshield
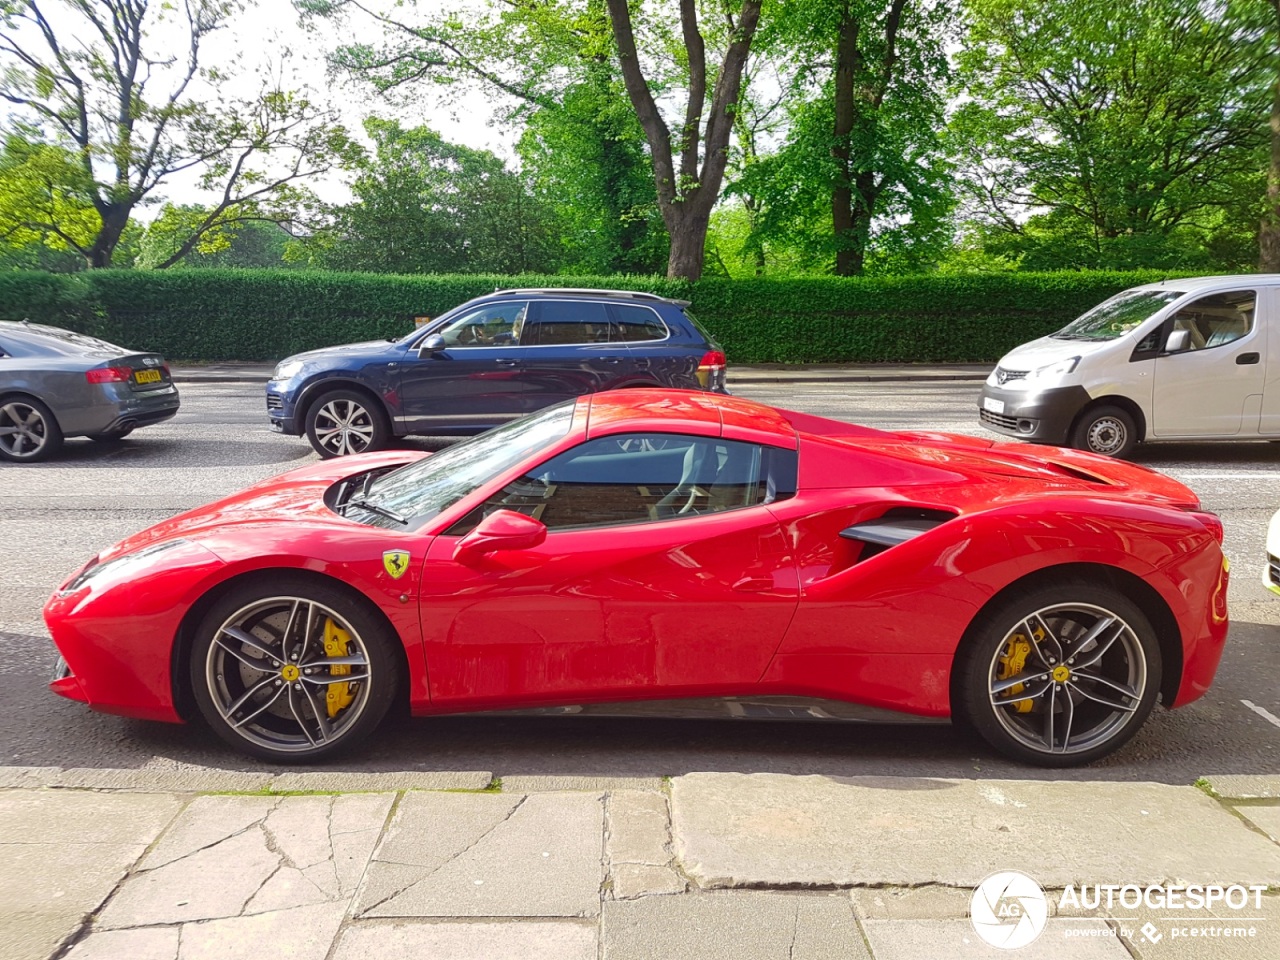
[1115, 317]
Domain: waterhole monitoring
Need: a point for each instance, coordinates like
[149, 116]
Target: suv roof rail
[587, 291]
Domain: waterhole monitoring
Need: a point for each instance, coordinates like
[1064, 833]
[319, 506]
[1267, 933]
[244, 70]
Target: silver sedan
[56, 383]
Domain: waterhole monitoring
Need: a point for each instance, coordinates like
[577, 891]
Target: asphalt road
[54, 516]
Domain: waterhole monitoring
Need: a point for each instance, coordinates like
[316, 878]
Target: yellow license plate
[147, 376]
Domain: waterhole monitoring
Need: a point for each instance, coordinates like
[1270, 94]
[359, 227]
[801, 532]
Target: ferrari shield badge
[396, 562]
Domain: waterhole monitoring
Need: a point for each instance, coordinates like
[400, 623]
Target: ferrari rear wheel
[1060, 676]
[288, 671]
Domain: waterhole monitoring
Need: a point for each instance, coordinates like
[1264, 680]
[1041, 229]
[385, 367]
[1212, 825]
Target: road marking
[1252, 475]
[1263, 712]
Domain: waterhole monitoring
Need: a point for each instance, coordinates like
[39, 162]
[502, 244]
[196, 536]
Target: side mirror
[1178, 341]
[431, 345]
[500, 530]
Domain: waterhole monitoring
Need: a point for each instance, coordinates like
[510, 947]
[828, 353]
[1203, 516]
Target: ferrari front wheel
[287, 670]
[1059, 676]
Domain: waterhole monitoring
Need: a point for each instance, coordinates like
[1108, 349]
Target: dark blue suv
[488, 361]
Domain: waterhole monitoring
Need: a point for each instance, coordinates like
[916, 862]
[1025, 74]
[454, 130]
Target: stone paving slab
[775, 830]
[732, 926]
[1245, 787]
[1180, 933]
[489, 855]
[1266, 819]
[190, 780]
[343, 782]
[61, 855]
[16, 778]
[514, 940]
[956, 940]
[229, 856]
[523, 784]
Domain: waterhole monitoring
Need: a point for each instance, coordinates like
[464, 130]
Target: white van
[1175, 360]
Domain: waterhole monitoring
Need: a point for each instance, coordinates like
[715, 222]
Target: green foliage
[1113, 133]
[424, 205]
[269, 314]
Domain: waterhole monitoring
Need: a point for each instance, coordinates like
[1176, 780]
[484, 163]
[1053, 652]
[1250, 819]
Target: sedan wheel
[1064, 676]
[28, 431]
[290, 674]
[344, 422]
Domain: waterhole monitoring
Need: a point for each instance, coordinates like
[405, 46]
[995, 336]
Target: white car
[1193, 359]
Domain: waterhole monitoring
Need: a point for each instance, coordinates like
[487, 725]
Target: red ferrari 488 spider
[665, 546]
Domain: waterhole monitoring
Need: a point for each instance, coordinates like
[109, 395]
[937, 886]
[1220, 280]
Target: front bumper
[1271, 569]
[1044, 416]
[281, 408]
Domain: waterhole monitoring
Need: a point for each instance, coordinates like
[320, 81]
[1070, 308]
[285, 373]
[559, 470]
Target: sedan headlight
[96, 569]
[286, 369]
[1054, 371]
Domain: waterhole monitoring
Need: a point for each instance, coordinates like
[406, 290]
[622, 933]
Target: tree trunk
[848, 256]
[687, 224]
[1269, 233]
[115, 218]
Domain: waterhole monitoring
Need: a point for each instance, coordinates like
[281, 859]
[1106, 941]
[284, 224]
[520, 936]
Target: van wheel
[1107, 431]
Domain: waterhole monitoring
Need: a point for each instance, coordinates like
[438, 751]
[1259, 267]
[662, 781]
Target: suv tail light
[109, 374]
[711, 370]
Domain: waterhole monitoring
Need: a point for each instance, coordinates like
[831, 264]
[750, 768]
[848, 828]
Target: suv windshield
[421, 490]
[1117, 316]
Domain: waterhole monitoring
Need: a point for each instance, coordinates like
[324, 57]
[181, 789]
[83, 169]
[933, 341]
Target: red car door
[663, 573]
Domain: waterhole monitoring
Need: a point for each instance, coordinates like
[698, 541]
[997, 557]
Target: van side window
[1217, 319]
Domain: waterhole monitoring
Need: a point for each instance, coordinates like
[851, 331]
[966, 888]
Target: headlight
[286, 369]
[95, 569]
[1055, 370]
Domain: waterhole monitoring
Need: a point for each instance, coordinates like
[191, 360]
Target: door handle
[754, 584]
[506, 363]
[611, 359]
[1246, 358]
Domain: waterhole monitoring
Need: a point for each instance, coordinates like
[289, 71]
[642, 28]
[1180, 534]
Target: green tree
[861, 177]
[99, 81]
[424, 205]
[1109, 133]
[242, 243]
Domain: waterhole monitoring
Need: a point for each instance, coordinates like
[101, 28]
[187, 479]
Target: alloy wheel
[23, 430]
[288, 674]
[1067, 679]
[344, 426]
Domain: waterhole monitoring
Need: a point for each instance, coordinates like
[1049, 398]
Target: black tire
[342, 422]
[1068, 717]
[1106, 430]
[29, 431]
[290, 709]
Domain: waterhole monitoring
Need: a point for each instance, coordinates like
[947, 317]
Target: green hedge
[265, 314]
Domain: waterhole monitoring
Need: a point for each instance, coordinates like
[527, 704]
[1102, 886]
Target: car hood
[1046, 350]
[294, 499]
[348, 351]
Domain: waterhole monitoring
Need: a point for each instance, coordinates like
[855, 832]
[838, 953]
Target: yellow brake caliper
[339, 695]
[1012, 663]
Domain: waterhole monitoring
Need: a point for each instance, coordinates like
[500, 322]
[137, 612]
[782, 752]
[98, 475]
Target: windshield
[421, 490]
[1115, 317]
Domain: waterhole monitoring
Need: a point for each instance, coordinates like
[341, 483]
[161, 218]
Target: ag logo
[1008, 910]
[396, 562]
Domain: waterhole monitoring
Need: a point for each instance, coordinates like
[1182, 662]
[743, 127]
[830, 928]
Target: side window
[644, 477]
[634, 324]
[492, 326]
[566, 322]
[1216, 320]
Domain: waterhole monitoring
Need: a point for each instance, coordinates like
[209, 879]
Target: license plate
[146, 376]
[993, 405]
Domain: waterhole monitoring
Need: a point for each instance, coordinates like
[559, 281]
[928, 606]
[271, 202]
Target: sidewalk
[738, 373]
[175, 865]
